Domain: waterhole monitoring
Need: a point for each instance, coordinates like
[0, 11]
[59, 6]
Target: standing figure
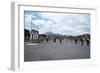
[60, 41]
[47, 39]
[76, 41]
[54, 40]
[81, 41]
[88, 42]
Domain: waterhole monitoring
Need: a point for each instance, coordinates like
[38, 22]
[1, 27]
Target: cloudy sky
[61, 23]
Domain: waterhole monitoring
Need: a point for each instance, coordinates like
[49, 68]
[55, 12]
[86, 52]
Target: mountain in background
[51, 33]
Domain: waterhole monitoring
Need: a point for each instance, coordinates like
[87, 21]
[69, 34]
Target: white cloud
[27, 21]
[62, 23]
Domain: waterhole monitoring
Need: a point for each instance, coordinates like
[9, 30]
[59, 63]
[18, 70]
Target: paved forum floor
[55, 51]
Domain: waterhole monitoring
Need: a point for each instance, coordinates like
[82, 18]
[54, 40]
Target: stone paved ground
[55, 51]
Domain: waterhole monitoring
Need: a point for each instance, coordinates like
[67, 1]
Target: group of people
[82, 40]
[77, 40]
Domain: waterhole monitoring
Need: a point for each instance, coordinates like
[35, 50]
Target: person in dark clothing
[47, 39]
[60, 41]
[81, 40]
[54, 40]
[76, 41]
[88, 42]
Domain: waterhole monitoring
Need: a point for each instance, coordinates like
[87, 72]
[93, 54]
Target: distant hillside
[51, 33]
